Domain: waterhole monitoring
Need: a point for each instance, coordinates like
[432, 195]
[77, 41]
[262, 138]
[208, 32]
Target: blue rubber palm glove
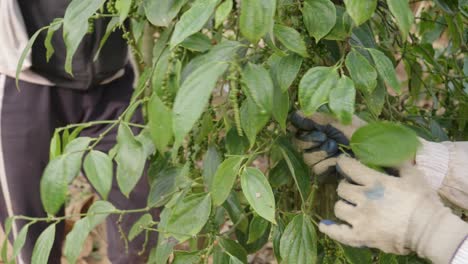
[319, 138]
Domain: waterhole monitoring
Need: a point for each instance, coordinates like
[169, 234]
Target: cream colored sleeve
[13, 40]
[445, 167]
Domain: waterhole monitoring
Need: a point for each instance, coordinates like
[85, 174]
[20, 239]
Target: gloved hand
[394, 214]
[319, 137]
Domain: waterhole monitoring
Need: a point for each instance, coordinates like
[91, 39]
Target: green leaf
[160, 123]
[193, 96]
[411, 259]
[357, 255]
[189, 216]
[219, 256]
[375, 101]
[256, 18]
[360, 10]
[259, 86]
[123, 8]
[448, 6]
[387, 258]
[54, 26]
[384, 144]
[455, 26]
[235, 144]
[145, 220]
[111, 26]
[206, 126]
[130, 159]
[76, 132]
[159, 74]
[198, 42]
[223, 52]
[415, 73]
[146, 142]
[137, 27]
[41, 251]
[343, 25]
[211, 163]
[65, 135]
[54, 184]
[314, 88]
[363, 36]
[362, 72]
[299, 170]
[98, 212]
[291, 39]
[75, 240]
[258, 226]
[401, 10]
[385, 69]
[161, 253]
[236, 212]
[269, 41]
[299, 241]
[98, 169]
[462, 112]
[463, 7]
[284, 70]
[182, 257]
[319, 17]
[6, 245]
[219, 216]
[193, 20]
[279, 175]
[26, 52]
[173, 81]
[55, 146]
[233, 249]
[281, 109]
[74, 152]
[258, 193]
[161, 12]
[158, 163]
[342, 99]
[253, 119]
[19, 241]
[164, 185]
[277, 233]
[165, 246]
[75, 26]
[161, 46]
[222, 12]
[224, 179]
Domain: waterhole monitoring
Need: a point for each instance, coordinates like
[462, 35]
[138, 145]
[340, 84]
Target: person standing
[50, 98]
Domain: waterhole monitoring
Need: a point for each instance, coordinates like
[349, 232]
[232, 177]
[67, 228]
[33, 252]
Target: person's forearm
[437, 235]
[461, 255]
[444, 167]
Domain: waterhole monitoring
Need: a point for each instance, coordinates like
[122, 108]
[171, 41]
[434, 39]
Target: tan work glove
[395, 214]
[319, 137]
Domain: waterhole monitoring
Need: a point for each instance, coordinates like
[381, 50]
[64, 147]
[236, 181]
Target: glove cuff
[433, 160]
[462, 253]
[434, 232]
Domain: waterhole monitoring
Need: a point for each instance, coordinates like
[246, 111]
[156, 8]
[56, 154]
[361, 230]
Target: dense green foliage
[217, 81]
